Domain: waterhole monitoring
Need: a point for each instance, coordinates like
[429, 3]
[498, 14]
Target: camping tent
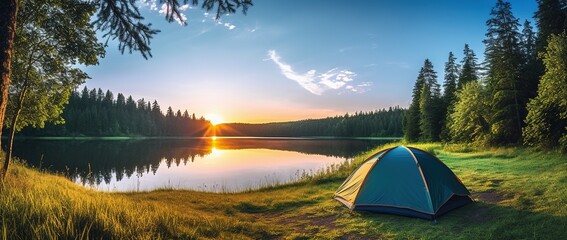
[405, 181]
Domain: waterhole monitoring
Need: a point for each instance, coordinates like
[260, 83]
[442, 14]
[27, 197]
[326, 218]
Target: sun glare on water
[214, 118]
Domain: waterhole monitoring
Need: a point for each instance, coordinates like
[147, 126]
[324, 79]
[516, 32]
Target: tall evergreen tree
[504, 61]
[430, 105]
[414, 125]
[411, 119]
[449, 91]
[426, 114]
[546, 123]
[551, 18]
[530, 70]
[469, 67]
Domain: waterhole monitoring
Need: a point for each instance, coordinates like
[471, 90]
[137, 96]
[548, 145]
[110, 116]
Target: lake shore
[518, 193]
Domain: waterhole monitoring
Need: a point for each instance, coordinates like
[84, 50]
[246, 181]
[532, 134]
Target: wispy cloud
[211, 17]
[333, 79]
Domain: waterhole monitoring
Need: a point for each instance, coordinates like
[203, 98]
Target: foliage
[496, 115]
[411, 123]
[95, 113]
[551, 16]
[422, 121]
[469, 67]
[449, 97]
[427, 115]
[470, 119]
[379, 123]
[412, 118]
[52, 37]
[509, 204]
[546, 123]
[503, 58]
[530, 71]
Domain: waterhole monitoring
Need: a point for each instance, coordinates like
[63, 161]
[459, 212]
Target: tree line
[97, 113]
[517, 95]
[379, 123]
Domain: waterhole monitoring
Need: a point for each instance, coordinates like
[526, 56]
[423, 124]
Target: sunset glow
[214, 118]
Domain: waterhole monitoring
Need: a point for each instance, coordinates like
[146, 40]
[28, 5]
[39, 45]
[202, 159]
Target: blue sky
[298, 59]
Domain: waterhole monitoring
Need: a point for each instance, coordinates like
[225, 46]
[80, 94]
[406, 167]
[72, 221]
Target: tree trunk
[10, 143]
[17, 110]
[8, 12]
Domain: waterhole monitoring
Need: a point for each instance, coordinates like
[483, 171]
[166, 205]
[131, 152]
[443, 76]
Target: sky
[295, 59]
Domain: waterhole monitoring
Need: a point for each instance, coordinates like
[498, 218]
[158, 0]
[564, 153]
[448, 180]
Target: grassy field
[519, 194]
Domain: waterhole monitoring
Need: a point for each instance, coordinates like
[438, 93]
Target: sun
[214, 118]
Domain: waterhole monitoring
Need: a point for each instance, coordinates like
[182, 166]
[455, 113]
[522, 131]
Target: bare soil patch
[489, 197]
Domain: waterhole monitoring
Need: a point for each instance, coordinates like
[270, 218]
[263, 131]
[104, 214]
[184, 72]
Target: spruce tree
[530, 70]
[411, 119]
[426, 114]
[551, 18]
[415, 124]
[503, 58]
[469, 67]
[449, 91]
[431, 105]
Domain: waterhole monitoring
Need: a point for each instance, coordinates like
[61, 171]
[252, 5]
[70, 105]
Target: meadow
[519, 193]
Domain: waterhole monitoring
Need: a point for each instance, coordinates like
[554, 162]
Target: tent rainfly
[405, 181]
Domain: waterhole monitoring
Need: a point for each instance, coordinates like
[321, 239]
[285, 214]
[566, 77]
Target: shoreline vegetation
[518, 192]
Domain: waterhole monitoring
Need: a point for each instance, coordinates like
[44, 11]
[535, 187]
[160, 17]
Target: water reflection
[221, 164]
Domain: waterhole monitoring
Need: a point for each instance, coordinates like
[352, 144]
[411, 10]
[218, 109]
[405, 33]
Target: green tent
[404, 181]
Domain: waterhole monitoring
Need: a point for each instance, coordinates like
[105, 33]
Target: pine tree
[84, 97]
[108, 99]
[156, 108]
[169, 112]
[546, 123]
[551, 16]
[469, 67]
[426, 117]
[503, 58]
[530, 70]
[411, 119]
[430, 105]
[120, 101]
[449, 98]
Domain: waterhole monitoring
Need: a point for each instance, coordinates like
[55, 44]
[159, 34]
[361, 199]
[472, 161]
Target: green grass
[519, 194]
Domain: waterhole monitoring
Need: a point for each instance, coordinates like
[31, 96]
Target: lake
[204, 164]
